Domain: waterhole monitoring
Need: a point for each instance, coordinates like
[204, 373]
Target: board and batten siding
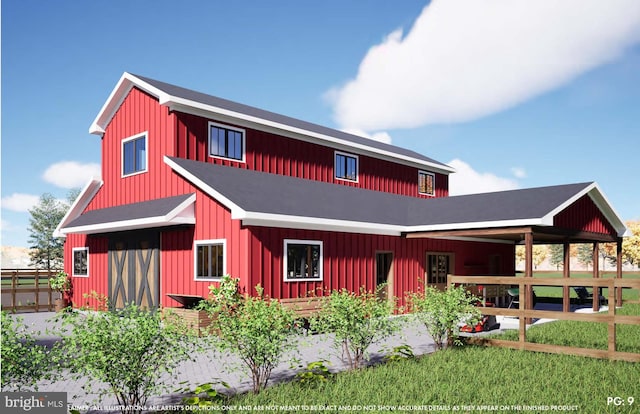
[349, 260]
[584, 215]
[96, 281]
[287, 156]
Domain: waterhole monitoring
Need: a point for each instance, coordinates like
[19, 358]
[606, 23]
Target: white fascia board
[312, 223]
[183, 210]
[199, 109]
[478, 225]
[81, 202]
[123, 225]
[602, 202]
[118, 94]
[548, 218]
[235, 209]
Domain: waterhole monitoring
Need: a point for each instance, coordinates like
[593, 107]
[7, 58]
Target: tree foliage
[441, 311]
[556, 255]
[585, 254]
[46, 250]
[356, 321]
[631, 245]
[540, 253]
[24, 362]
[129, 350]
[259, 330]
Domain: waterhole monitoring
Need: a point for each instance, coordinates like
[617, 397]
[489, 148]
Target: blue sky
[513, 94]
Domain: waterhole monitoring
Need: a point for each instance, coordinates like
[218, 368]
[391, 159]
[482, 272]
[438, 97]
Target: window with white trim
[210, 259]
[426, 183]
[80, 261]
[134, 154]
[226, 142]
[346, 166]
[302, 260]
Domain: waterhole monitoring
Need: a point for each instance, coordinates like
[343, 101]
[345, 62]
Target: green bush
[128, 350]
[23, 361]
[356, 321]
[259, 330]
[442, 311]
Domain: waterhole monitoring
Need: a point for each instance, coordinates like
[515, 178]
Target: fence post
[611, 345]
[14, 287]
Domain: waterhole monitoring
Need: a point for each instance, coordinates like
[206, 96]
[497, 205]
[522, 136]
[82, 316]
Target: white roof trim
[127, 81]
[175, 217]
[81, 202]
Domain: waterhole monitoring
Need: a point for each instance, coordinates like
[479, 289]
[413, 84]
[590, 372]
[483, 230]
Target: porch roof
[169, 211]
[273, 200]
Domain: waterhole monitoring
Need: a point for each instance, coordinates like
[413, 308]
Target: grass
[470, 376]
[556, 291]
[591, 335]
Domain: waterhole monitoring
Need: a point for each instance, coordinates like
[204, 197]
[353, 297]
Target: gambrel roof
[190, 101]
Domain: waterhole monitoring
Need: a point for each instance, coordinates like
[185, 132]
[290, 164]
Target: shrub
[129, 350]
[357, 321]
[259, 330]
[442, 311]
[23, 361]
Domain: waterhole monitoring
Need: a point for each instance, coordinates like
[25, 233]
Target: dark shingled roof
[203, 98]
[154, 208]
[261, 192]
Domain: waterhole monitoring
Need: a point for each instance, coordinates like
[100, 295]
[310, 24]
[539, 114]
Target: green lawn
[556, 291]
[470, 376]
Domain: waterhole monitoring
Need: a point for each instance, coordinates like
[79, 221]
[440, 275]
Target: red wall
[280, 155]
[349, 260]
[98, 265]
[584, 215]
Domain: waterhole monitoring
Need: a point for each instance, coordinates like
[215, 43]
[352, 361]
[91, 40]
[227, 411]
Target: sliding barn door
[134, 271]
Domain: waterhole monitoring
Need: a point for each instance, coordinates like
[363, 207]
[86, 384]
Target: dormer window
[426, 183]
[134, 154]
[226, 142]
[346, 166]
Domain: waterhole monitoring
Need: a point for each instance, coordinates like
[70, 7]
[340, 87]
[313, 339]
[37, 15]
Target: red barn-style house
[194, 187]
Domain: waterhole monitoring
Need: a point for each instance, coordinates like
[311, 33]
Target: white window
[80, 261]
[302, 260]
[226, 142]
[346, 166]
[210, 259]
[134, 154]
[426, 183]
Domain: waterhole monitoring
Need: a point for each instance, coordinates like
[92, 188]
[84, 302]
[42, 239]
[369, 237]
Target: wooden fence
[27, 290]
[524, 313]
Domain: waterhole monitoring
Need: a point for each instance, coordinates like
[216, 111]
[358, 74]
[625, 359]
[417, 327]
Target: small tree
[556, 258]
[442, 311]
[259, 330]
[46, 250]
[129, 350]
[356, 321]
[585, 254]
[23, 361]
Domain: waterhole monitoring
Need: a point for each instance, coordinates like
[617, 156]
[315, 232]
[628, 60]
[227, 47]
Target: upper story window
[426, 183]
[302, 260]
[210, 260]
[226, 142]
[134, 154]
[346, 166]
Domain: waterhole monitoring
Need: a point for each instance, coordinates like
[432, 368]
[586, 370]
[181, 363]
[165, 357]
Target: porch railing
[525, 312]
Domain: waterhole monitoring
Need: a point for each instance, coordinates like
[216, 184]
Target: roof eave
[77, 207]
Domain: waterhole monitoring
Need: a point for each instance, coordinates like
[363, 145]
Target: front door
[384, 275]
[439, 265]
[134, 271]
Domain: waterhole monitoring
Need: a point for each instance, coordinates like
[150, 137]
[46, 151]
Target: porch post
[618, 271]
[528, 273]
[596, 274]
[566, 273]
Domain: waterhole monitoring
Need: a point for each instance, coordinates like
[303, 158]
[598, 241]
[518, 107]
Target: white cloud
[376, 136]
[71, 174]
[518, 172]
[466, 180]
[19, 202]
[463, 59]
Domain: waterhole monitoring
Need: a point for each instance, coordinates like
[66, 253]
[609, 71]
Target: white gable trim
[128, 81]
[181, 214]
[81, 202]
